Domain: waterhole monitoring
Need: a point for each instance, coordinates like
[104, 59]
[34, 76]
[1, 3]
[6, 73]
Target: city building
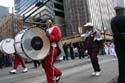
[53, 9]
[11, 25]
[101, 13]
[4, 11]
[76, 12]
[79, 12]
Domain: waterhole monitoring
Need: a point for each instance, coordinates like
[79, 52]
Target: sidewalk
[114, 80]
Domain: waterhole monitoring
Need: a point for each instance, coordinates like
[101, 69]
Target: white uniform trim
[50, 30]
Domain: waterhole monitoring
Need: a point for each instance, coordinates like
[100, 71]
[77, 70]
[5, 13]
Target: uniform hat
[120, 4]
[88, 24]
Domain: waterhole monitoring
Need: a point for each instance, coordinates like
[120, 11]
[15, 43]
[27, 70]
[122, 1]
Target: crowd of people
[6, 60]
[74, 50]
[110, 48]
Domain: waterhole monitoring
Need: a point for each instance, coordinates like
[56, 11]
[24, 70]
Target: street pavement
[74, 71]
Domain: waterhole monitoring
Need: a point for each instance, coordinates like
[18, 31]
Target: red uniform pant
[18, 60]
[48, 65]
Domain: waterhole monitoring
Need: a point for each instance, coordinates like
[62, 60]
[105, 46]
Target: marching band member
[18, 60]
[92, 44]
[54, 33]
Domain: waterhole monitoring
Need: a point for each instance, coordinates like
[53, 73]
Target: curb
[114, 80]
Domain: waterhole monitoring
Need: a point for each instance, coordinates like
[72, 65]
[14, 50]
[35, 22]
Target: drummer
[54, 33]
[18, 60]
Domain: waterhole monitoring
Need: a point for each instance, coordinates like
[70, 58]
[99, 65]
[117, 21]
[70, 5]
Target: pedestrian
[36, 63]
[71, 46]
[92, 44]
[75, 49]
[54, 34]
[112, 49]
[65, 47]
[106, 47]
[18, 60]
[117, 26]
[1, 59]
[81, 51]
[8, 60]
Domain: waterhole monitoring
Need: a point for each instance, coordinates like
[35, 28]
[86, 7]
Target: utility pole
[102, 20]
[13, 23]
[78, 16]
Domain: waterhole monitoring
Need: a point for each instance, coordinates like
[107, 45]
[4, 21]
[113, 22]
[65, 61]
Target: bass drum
[7, 46]
[32, 43]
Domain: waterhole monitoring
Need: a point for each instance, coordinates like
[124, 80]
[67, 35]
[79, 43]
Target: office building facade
[53, 9]
[101, 13]
[4, 11]
[78, 12]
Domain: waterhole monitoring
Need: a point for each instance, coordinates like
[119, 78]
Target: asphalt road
[74, 71]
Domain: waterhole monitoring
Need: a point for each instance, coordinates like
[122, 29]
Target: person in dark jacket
[80, 50]
[1, 60]
[36, 63]
[118, 29]
[92, 44]
[71, 51]
[65, 47]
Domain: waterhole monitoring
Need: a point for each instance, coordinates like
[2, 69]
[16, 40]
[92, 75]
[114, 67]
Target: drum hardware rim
[23, 48]
[7, 40]
[22, 44]
[23, 53]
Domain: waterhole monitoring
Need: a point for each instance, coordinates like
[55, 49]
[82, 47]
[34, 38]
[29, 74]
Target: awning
[79, 39]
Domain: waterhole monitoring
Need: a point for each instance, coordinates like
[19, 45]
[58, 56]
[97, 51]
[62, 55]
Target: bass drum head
[7, 46]
[35, 43]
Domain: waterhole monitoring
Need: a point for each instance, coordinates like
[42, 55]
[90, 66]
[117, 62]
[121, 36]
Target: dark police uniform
[118, 29]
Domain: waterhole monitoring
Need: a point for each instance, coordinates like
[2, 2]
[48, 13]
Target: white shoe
[13, 71]
[98, 73]
[58, 79]
[25, 70]
[94, 73]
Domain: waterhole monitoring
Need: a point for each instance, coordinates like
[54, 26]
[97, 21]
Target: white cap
[88, 24]
[120, 4]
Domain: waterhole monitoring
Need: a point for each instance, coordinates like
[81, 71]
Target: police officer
[118, 29]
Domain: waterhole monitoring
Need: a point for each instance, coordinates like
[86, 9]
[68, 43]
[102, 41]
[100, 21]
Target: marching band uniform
[18, 60]
[92, 44]
[54, 34]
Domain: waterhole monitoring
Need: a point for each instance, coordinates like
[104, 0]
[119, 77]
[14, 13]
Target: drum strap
[53, 44]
